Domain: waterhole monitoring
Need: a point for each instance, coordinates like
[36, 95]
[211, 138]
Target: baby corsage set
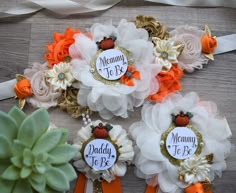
[111, 70]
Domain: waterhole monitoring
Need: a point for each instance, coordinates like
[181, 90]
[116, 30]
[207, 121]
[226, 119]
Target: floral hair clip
[191, 144]
[113, 69]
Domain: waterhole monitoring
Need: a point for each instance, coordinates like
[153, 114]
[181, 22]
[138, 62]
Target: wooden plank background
[23, 40]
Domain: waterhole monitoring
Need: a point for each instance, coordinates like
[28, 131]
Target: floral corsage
[103, 151]
[190, 140]
[115, 68]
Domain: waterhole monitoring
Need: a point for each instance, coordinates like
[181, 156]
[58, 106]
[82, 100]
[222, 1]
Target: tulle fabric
[156, 119]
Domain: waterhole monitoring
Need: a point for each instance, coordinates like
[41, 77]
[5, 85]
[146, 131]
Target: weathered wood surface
[23, 40]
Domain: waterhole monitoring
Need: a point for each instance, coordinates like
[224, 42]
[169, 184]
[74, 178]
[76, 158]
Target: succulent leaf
[61, 184]
[8, 127]
[17, 114]
[47, 141]
[3, 166]
[5, 148]
[37, 178]
[38, 184]
[62, 153]
[17, 147]
[22, 186]
[64, 135]
[17, 161]
[49, 190]
[25, 172]
[33, 127]
[11, 173]
[28, 157]
[68, 170]
[41, 157]
[40, 168]
[6, 185]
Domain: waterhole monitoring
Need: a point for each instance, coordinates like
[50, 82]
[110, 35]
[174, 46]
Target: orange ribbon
[112, 187]
[200, 187]
[151, 189]
[131, 73]
[80, 184]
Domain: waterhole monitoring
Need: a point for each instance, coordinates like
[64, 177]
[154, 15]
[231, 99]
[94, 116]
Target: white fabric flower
[191, 57]
[60, 76]
[125, 149]
[116, 99]
[43, 93]
[194, 169]
[165, 52]
[156, 119]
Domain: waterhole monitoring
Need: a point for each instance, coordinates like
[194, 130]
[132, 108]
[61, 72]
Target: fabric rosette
[190, 140]
[58, 50]
[43, 94]
[198, 46]
[114, 91]
[103, 151]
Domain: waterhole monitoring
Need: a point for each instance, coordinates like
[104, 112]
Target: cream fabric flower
[191, 57]
[156, 119]
[60, 76]
[195, 169]
[166, 52]
[125, 149]
[43, 93]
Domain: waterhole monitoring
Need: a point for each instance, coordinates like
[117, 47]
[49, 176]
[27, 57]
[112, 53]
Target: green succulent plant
[33, 159]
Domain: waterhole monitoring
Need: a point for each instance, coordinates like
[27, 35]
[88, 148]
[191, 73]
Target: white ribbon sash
[198, 3]
[62, 7]
[225, 44]
[6, 89]
[68, 7]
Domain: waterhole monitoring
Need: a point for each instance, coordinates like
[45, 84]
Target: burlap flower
[154, 27]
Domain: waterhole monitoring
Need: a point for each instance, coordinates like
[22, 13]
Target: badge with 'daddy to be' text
[103, 151]
[100, 154]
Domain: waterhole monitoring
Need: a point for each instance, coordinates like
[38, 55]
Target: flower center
[194, 171]
[129, 74]
[61, 76]
[164, 55]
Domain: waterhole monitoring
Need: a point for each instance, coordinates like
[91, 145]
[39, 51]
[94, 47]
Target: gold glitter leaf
[68, 102]
[21, 103]
[20, 77]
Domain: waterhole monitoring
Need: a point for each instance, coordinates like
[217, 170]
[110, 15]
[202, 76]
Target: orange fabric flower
[59, 49]
[208, 44]
[168, 83]
[131, 73]
[23, 89]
